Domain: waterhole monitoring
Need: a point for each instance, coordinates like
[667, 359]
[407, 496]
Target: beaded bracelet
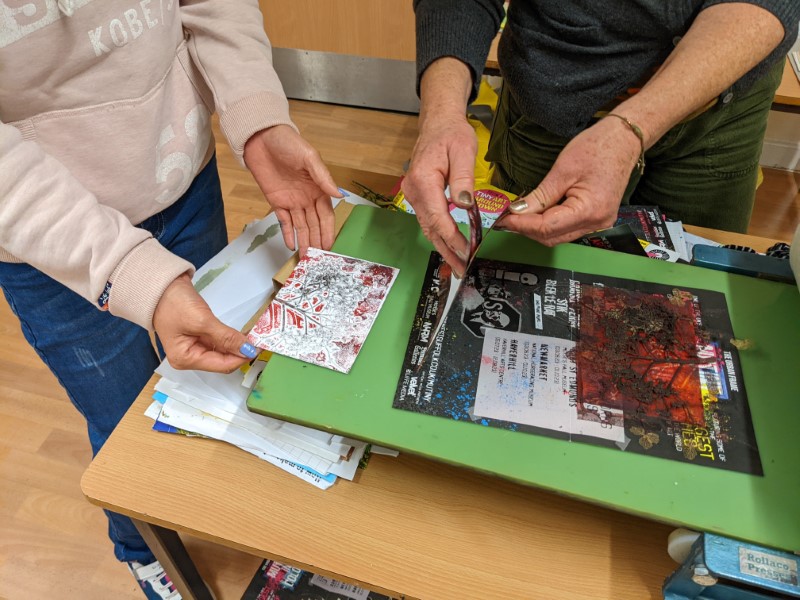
[638, 132]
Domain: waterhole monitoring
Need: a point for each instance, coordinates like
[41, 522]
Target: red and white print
[323, 313]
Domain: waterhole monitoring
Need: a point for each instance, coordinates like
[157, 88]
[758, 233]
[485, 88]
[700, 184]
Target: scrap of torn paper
[323, 313]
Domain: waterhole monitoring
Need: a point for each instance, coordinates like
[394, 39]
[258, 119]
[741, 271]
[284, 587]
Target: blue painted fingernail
[249, 350]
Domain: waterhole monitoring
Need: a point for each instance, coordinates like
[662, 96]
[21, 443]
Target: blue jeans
[103, 362]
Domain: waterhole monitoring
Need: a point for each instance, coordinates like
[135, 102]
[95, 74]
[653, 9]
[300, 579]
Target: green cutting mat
[759, 509]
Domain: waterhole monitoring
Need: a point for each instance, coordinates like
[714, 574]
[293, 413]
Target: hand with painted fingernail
[192, 337]
[444, 155]
[584, 188]
[296, 183]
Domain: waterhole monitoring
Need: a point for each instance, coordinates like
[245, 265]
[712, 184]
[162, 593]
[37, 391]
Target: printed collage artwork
[325, 310]
[635, 366]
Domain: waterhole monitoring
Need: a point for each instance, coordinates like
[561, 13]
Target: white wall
[782, 141]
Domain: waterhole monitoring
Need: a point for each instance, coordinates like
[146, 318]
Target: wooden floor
[777, 210]
[53, 543]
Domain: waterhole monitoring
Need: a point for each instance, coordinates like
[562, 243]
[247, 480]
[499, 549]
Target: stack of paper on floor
[236, 284]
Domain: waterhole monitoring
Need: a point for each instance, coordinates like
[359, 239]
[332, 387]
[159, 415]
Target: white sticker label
[337, 587]
[532, 380]
[767, 566]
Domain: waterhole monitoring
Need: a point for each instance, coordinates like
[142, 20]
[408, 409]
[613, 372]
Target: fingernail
[248, 350]
[465, 199]
[462, 255]
[518, 206]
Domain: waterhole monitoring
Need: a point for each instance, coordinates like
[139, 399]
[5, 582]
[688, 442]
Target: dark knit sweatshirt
[565, 59]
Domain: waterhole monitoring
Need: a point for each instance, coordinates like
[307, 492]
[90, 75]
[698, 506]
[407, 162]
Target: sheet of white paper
[315, 437]
[238, 316]
[529, 379]
[693, 240]
[224, 392]
[153, 410]
[346, 469]
[675, 229]
[263, 229]
[180, 415]
[176, 412]
[188, 417]
[348, 590]
[384, 451]
[248, 278]
[271, 431]
[212, 386]
[250, 378]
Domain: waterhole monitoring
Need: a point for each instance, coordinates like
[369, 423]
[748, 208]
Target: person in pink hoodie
[110, 197]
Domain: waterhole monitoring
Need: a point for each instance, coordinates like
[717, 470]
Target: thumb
[462, 176]
[547, 194]
[228, 340]
[321, 176]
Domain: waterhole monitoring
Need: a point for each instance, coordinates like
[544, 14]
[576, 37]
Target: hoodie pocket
[136, 155]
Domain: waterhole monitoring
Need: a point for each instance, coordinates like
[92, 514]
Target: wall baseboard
[781, 154]
[344, 79]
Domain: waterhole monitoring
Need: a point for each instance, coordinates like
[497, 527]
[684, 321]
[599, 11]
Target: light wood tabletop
[757, 243]
[408, 526]
[788, 93]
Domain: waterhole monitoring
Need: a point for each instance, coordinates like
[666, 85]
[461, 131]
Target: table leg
[171, 553]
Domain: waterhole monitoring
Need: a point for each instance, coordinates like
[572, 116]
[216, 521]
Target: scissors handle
[475, 230]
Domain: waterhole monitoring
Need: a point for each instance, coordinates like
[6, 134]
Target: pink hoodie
[104, 121]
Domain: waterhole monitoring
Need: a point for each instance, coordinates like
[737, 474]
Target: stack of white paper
[214, 405]
[236, 283]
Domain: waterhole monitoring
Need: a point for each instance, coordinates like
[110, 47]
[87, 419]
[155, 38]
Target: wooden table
[407, 527]
[787, 97]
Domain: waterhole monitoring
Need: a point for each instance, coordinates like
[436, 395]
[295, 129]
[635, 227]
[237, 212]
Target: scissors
[449, 284]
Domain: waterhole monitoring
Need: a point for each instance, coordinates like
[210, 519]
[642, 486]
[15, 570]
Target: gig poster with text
[639, 367]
